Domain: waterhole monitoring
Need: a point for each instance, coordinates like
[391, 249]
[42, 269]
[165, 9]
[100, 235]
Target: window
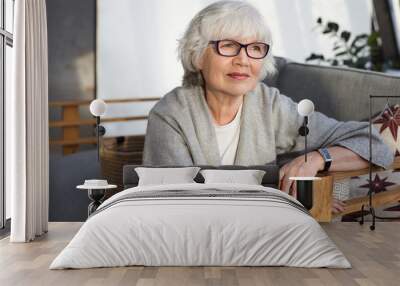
[6, 44]
[395, 13]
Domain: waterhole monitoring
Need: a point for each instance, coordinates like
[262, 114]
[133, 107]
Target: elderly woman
[225, 114]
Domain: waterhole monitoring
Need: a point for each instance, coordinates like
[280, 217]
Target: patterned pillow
[381, 181]
[341, 190]
[387, 122]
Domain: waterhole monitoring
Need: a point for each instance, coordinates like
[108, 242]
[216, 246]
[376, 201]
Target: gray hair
[218, 21]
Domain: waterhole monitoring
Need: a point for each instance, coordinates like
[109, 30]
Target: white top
[94, 187]
[228, 139]
[305, 178]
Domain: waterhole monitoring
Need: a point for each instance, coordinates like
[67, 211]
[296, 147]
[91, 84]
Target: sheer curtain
[27, 140]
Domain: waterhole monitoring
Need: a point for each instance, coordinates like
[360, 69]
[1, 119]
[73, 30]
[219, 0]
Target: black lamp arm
[303, 131]
[100, 131]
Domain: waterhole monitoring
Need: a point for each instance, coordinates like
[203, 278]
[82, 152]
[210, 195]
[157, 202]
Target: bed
[200, 224]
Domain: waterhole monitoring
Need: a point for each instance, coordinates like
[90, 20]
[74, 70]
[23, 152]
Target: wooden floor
[375, 257]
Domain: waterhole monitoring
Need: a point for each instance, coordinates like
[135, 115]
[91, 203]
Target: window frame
[6, 39]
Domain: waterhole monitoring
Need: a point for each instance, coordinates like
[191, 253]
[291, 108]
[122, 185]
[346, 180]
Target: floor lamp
[305, 184]
[97, 108]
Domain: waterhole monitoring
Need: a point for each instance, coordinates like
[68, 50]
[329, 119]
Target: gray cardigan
[180, 131]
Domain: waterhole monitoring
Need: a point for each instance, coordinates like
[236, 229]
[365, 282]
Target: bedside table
[96, 194]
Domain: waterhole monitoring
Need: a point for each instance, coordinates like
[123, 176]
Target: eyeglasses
[231, 48]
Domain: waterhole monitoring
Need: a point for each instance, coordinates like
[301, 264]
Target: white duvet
[183, 231]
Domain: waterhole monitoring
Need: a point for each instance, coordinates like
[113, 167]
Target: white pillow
[164, 176]
[249, 177]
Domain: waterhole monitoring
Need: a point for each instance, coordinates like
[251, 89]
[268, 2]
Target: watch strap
[327, 158]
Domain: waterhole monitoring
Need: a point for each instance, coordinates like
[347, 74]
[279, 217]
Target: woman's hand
[338, 206]
[299, 168]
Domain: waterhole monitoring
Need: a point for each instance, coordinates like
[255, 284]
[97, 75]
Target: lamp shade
[305, 107]
[98, 107]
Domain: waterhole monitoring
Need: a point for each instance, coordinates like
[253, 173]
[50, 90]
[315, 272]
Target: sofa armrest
[337, 176]
[323, 189]
[322, 199]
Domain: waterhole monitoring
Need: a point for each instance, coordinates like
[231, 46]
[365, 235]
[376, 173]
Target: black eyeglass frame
[216, 44]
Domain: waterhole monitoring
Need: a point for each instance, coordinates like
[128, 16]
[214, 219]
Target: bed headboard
[270, 179]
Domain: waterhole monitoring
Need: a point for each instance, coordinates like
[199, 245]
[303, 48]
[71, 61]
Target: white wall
[137, 40]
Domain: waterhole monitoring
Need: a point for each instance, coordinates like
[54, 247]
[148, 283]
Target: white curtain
[27, 151]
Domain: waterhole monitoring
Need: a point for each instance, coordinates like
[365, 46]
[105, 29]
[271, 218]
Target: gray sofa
[341, 93]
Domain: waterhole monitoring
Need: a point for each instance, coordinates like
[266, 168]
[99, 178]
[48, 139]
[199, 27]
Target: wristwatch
[327, 158]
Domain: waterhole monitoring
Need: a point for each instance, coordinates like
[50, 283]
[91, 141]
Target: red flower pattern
[389, 118]
[378, 185]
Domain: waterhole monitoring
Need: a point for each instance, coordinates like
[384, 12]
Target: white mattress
[183, 231]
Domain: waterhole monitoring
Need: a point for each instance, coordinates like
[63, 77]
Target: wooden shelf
[85, 122]
[88, 140]
[88, 101]
[71, 121]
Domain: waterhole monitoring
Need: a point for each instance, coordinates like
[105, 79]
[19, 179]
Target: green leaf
[358, 38]
[326, 30]
[313, 57]
[356, 50]
[345, 35]
[361, 62]
[333, 26]
[341, 53]
[373, 39]
[348, 63]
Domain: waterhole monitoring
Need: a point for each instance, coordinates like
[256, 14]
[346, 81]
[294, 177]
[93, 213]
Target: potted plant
[363, 51]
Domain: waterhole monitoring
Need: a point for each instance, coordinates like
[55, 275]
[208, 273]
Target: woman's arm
[326, 132]
[343, 159]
